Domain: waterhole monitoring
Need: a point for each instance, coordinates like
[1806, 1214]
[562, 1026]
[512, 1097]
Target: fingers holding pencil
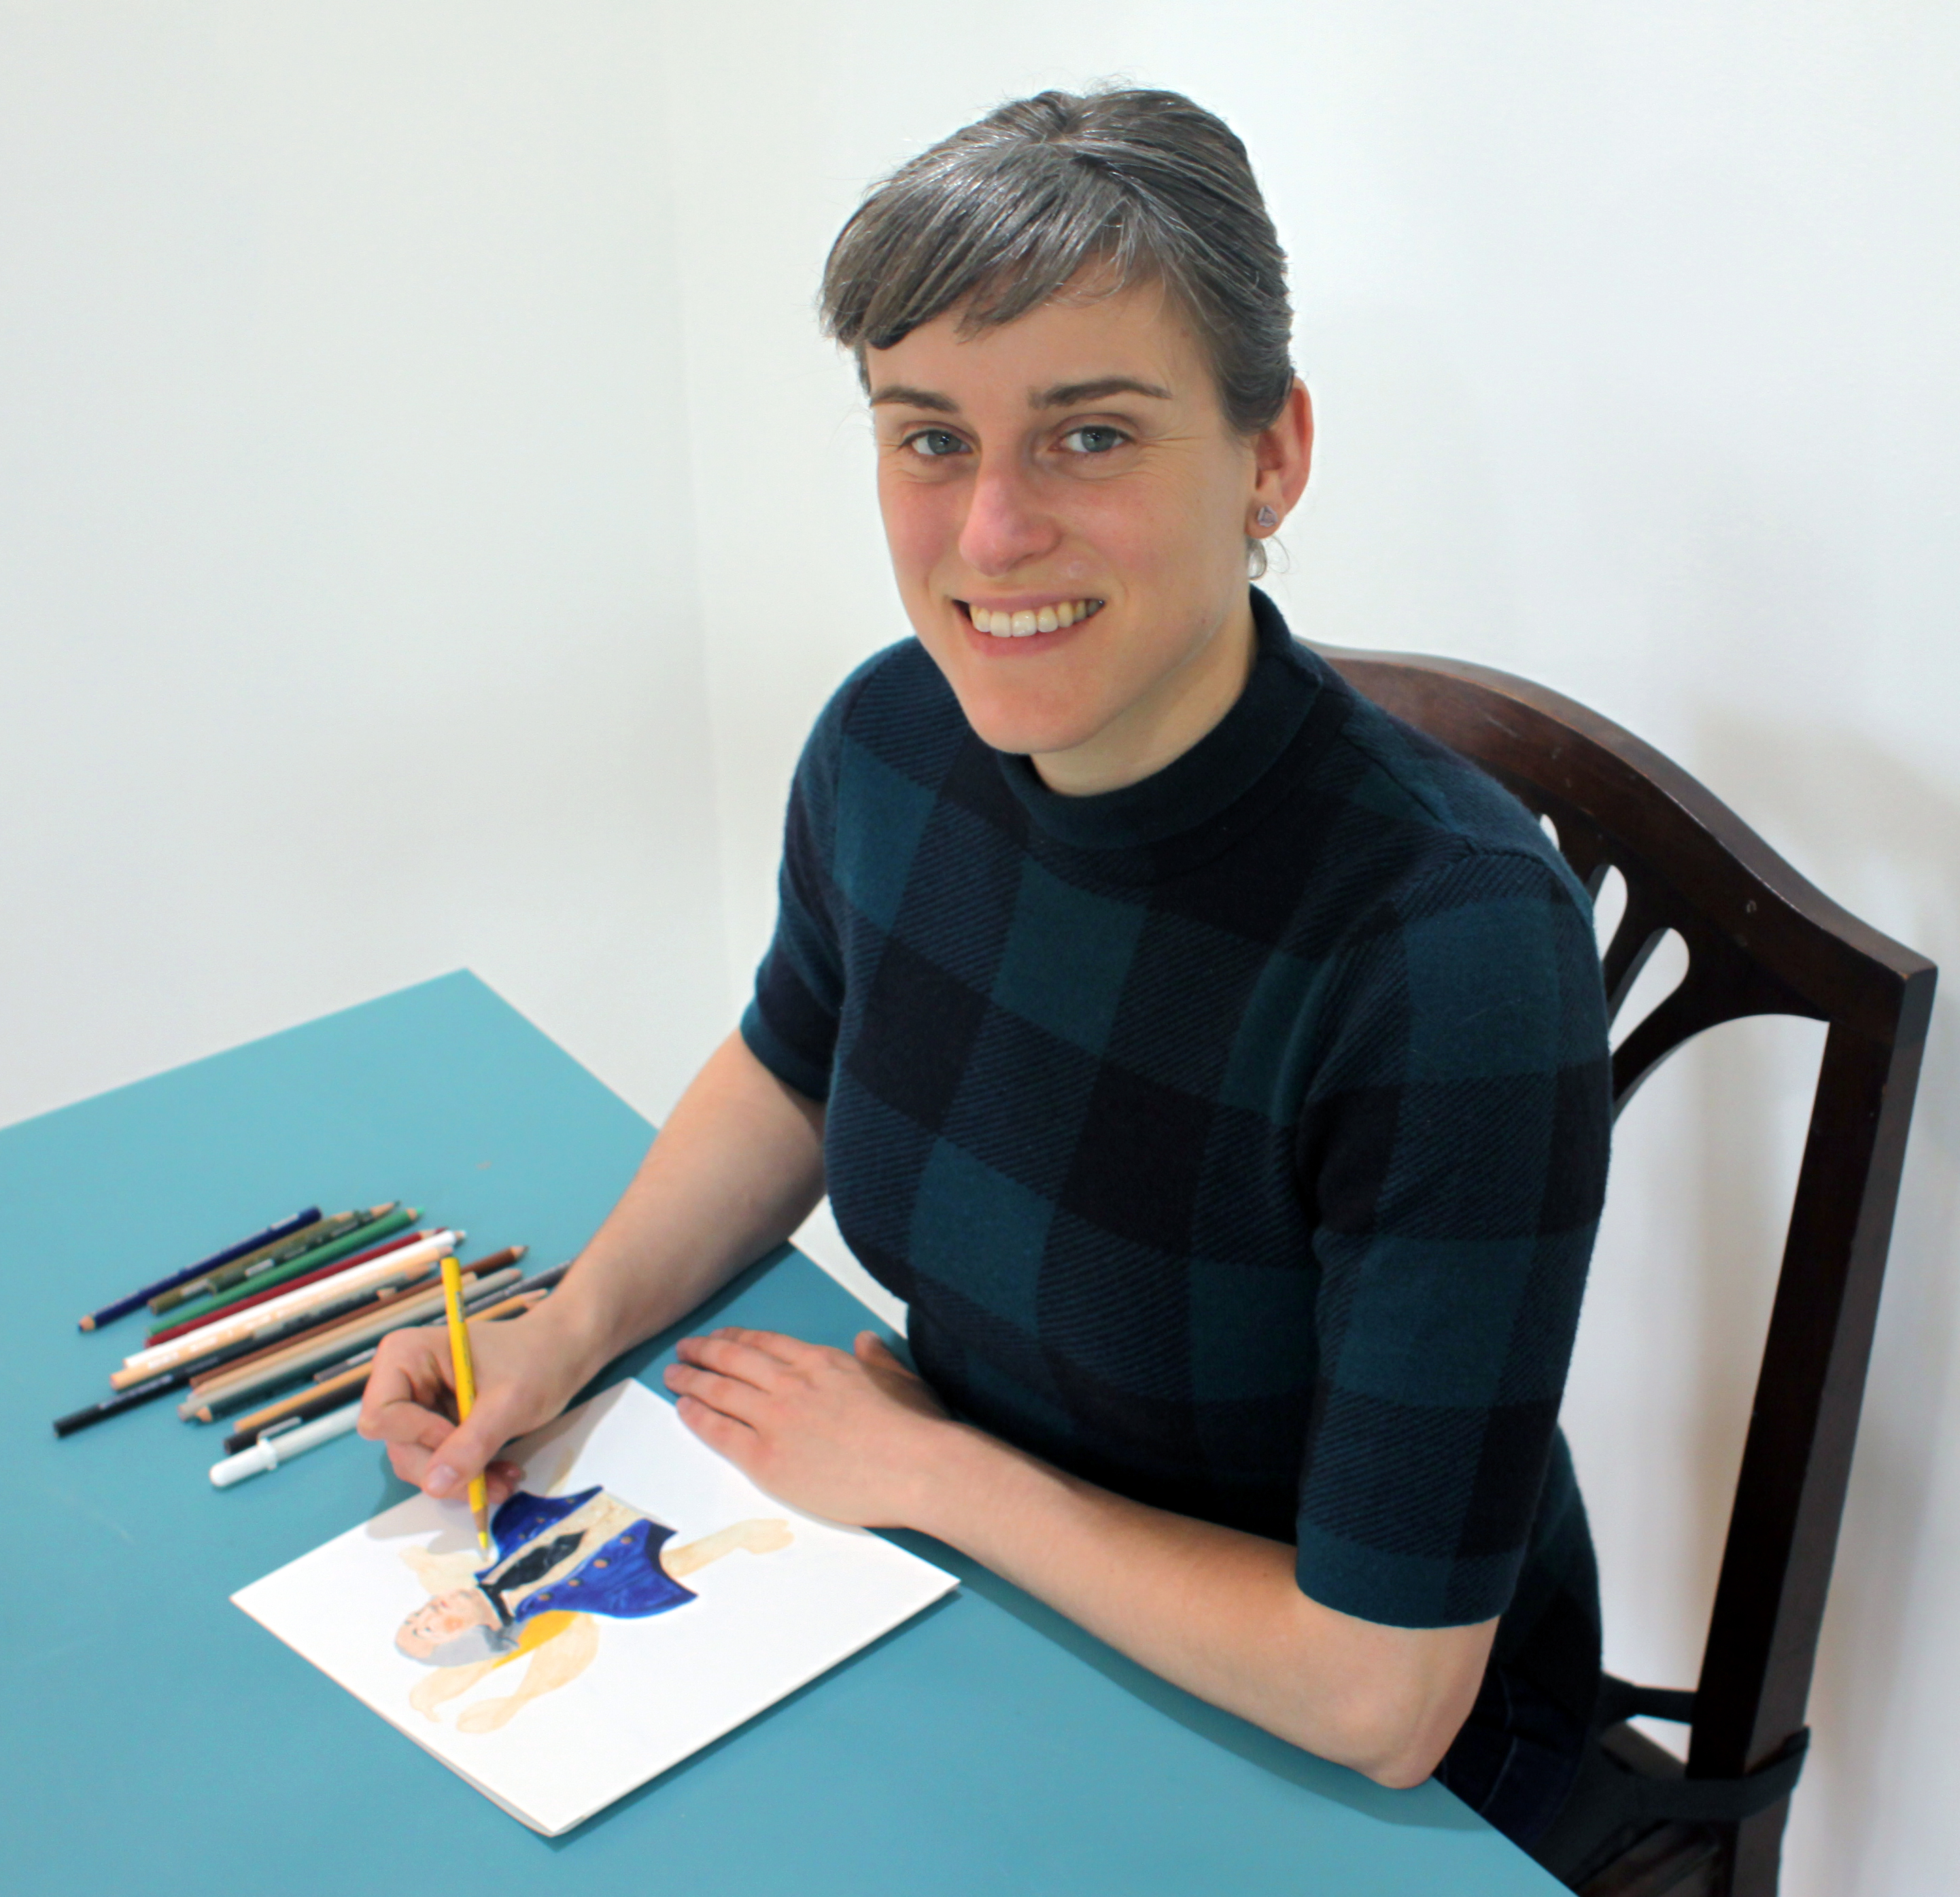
[410, 1403]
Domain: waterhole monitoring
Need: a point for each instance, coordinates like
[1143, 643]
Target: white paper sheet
[652, 1689]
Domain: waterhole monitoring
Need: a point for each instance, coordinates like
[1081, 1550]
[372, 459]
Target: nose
[1006, 525]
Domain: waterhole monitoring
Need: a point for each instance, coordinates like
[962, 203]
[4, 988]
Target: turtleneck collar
[1201, 784]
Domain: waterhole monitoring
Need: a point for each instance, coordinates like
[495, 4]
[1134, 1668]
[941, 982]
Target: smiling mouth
[1026, 624]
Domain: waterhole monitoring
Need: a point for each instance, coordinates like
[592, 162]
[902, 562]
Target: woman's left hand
[851, 1437]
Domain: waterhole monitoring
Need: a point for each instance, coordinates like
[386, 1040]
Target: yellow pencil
[466, 1390]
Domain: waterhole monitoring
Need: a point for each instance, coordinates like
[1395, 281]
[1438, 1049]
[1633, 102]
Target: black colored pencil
[133, 1398]
[137, 1394]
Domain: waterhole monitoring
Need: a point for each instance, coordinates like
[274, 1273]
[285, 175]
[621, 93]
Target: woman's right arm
[735, 1170]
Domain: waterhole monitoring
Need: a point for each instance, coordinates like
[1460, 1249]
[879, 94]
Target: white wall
[421, 361]
[348, 629]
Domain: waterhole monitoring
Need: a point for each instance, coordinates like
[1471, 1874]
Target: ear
[1282, 455]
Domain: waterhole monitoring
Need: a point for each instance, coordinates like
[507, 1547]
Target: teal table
[154, 1740]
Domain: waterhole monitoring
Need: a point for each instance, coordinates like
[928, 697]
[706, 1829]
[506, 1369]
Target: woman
[1216, 1066]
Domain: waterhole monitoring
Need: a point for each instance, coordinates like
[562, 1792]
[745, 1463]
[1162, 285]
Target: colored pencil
[224, 1395]
[346, 1315]
[278, 1328]
[278, 1379]
[274, 1450]
[278, 1317]
[274, 1233]
[328, 1345]
[315, 1401]
[479, 1304]
[319, 1323]
[515, 1305]
[465, 1371]
[342, 1334]
[324, 1233]
[334, 1386]
[320, 1247]
[327, 1227]
[365, 1239]
[132, 1395]
[227, 1391]
[498, 1300]
[133, 1398]
[250, 1298]
[222, 1330]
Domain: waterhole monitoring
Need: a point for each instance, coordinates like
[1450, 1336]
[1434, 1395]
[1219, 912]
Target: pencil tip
[86, 1323]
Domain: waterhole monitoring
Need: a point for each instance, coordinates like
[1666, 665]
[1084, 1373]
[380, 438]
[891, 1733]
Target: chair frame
[1760, 940]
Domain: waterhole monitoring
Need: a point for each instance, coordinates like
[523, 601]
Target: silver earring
[1266, 518]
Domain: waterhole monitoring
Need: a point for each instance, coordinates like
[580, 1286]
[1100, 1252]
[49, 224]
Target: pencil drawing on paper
[561, 1563]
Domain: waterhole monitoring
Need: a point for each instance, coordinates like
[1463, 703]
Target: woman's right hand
[527, 1369]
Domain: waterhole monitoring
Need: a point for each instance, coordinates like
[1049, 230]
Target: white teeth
[1025, 625]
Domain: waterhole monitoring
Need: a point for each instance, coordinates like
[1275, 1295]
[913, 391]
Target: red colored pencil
[279, 1291]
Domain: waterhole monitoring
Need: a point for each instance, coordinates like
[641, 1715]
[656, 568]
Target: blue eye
[935, 443]
[1091, 440]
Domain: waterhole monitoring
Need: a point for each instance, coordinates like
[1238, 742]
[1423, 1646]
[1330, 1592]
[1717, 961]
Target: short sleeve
[1453, 1147]
[790, 1023]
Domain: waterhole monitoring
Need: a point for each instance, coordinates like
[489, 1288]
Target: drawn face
[445, 1617]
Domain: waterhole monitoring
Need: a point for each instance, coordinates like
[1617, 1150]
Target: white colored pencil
[222, 1330]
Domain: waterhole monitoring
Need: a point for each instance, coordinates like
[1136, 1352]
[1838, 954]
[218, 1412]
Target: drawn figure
[559, 1562]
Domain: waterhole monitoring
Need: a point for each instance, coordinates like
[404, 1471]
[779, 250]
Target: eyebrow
[1066, 394]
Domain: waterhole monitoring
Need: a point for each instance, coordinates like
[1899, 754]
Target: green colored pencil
[322, 1231]
[196, 1286]
[372, 1233]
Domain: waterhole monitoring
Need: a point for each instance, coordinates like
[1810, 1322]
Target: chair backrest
[1760, 940]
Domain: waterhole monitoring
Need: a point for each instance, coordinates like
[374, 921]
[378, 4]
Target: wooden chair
[1760, 940]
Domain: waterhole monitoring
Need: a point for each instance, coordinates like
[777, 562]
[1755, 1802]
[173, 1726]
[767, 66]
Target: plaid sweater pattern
[1237, 1139]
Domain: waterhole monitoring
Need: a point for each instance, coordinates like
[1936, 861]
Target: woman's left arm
[860, 1439]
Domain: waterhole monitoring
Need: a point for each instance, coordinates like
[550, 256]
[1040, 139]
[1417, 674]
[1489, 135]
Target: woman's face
[1071, 472]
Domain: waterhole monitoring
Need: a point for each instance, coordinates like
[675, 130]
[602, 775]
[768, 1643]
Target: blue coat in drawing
[621, 1576]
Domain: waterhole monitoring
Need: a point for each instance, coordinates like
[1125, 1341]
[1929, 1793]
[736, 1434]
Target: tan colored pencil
[411, 1308]
[279, 1330]
[510, 1307]
[419, 1282]
[221, 1332]
[204, 1403]
[349, 1383]
[351, 1321]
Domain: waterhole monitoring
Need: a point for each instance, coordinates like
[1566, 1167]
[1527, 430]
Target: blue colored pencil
[281, 1228]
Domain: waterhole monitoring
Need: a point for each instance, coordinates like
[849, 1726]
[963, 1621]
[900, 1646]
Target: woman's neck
[1161, 726]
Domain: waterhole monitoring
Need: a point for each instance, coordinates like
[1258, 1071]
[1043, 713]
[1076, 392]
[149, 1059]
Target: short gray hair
[998, 218]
